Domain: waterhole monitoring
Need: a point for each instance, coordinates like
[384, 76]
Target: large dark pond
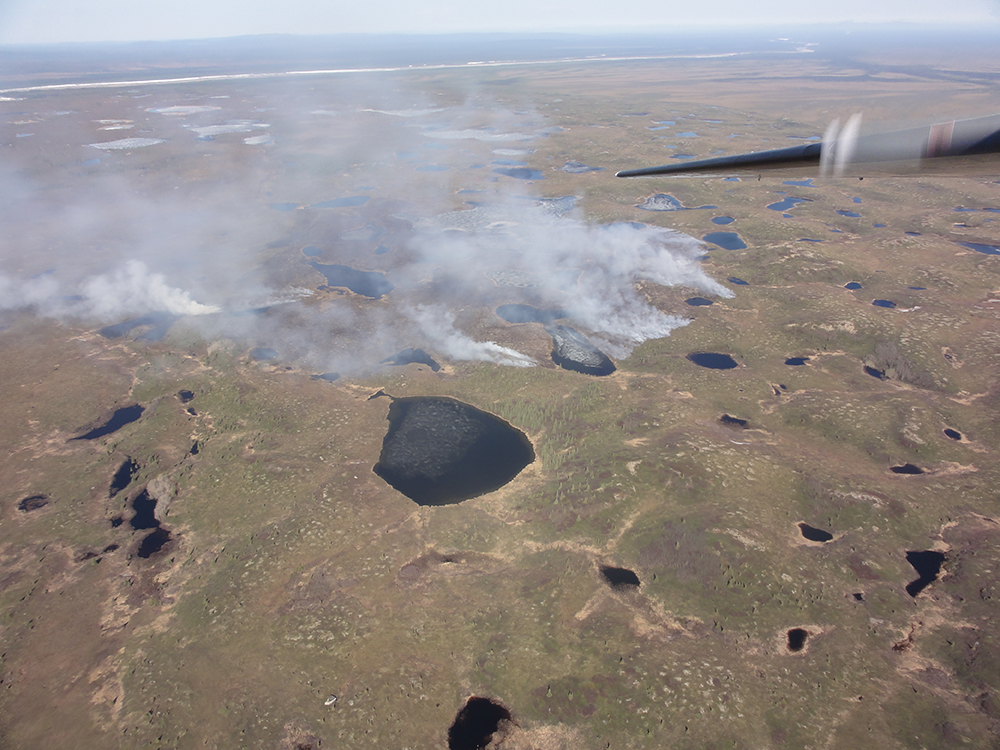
[928, 564]
[619, 578]
[725, 240]
[156, 324]
[797, 639]
[371, 284]
[698, 302]
[572, 351]
[712, 360]
[439, 451]
[527, 314]
[121, 417]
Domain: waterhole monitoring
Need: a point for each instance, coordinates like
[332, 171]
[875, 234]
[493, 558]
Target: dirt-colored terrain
[288, 573]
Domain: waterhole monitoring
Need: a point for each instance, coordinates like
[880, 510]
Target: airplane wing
[960, 147]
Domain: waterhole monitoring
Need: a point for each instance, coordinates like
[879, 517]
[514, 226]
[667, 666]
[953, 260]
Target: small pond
[723, 220]
[121, 417]
[738, 282]
[619, 578]
[411, 356]
[698, 302]
[889, 304]
[953, 434]
[928, 564]
[797, 639]
[787, 203]
[725, 240]
[852, 285]
[712, 360]
[980, 247]
[813, 534]
[516, 313]
[475, 724]
[572, 351]
[796, 361]
[520, 173]
[372, 284]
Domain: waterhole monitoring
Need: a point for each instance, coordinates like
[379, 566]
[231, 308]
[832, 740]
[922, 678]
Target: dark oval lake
[852, 285]
[698, 302]
[889, 304]
[953, 434]
[713, 360]
[796, 361]
[439, 451]
[739, 282]
[619, 577]
[980, 247]
[725, 240]
[722, 220]
[797, 639]
[813, 534]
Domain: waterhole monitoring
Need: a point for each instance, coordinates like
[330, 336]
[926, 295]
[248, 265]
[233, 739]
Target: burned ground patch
[32, 502]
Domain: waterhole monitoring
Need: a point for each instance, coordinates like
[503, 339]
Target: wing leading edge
[960, 147]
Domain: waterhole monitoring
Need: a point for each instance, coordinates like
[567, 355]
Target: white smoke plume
[134, 290]
[438, 325]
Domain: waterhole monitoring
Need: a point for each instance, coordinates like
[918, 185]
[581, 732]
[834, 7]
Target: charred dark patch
[906, 469]
[32, 502]
[619, 578]
[476, 723]
[730, 421]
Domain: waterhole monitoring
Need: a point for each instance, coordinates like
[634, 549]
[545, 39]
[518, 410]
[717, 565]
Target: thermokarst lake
[355, 402]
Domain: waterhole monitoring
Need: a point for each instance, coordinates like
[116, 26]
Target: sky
[48, 21]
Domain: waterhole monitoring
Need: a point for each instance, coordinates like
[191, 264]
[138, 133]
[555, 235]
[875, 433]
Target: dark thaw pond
[475, 724]
[572, 351]
[619, 577]
[439, 451]
[712, 360]
[953, 434]
[787, 203]
[516, 313]
[121, 417]
[852, 285]
[722, 220]
[372, 284]
[738, 282]
[928, 565]
[725, 240]
[32, 502]
[889, 304]
[520, 173]
[796, 361]
[698, 302]
[906, 469]
[813, 534]
[578, 167]
[979, 247]
[797, 639]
